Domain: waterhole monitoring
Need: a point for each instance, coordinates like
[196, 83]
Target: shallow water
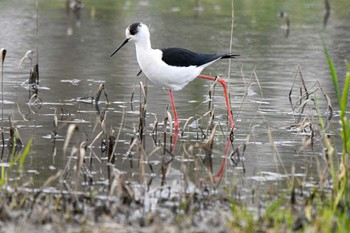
[73, 62]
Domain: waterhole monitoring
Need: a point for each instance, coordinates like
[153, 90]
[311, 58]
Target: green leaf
[332, 70]
[344, 100]
[22, 158]
[276, 204]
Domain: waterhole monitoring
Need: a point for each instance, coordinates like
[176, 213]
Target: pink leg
[229, 112]
[223, 83]
[176, 120]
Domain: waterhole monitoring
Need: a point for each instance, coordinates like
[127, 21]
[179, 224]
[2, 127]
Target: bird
[172, 68]
[285, 25]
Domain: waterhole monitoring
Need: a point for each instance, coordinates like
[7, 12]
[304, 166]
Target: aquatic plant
[15, 160]
[340, 174]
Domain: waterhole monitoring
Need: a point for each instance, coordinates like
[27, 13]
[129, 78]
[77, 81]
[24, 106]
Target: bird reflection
[73, 9]
[285, 24]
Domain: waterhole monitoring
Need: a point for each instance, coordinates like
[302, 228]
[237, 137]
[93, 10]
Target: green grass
[15, 159]
[341, 177]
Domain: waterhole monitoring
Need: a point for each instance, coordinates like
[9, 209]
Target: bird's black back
[184, 57]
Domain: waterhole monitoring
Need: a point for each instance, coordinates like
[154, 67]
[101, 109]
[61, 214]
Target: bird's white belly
[160, 73]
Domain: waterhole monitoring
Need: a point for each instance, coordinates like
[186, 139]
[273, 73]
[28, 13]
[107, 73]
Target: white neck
[144, 41]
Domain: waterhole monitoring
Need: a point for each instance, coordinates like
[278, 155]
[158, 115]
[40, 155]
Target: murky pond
[73, 57]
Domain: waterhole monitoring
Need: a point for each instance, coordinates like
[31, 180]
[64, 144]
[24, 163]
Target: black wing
[184, 57]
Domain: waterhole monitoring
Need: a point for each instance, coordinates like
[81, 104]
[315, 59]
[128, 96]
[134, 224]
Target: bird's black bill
[120, 46]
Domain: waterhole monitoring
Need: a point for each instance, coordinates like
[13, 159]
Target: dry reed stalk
[119, 131]
[36, 66]
[15, 142]
[142, 161]
[3, 55]
[164, 133]
[80, 162]
[71, 129]
[54, 132]
[276, 156]
[142, 114]
[231, 42]
[208, 151]
[247, 86]
[170, 120]
[155, 131]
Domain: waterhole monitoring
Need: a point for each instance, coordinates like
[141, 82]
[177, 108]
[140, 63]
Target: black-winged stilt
[172, 68]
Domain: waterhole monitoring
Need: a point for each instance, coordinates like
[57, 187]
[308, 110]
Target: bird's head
[136, 32]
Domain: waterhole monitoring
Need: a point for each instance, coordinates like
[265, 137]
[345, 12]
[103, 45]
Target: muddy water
[74, 61]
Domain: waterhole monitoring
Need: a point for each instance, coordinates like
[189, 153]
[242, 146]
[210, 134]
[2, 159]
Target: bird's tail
[229, 55]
